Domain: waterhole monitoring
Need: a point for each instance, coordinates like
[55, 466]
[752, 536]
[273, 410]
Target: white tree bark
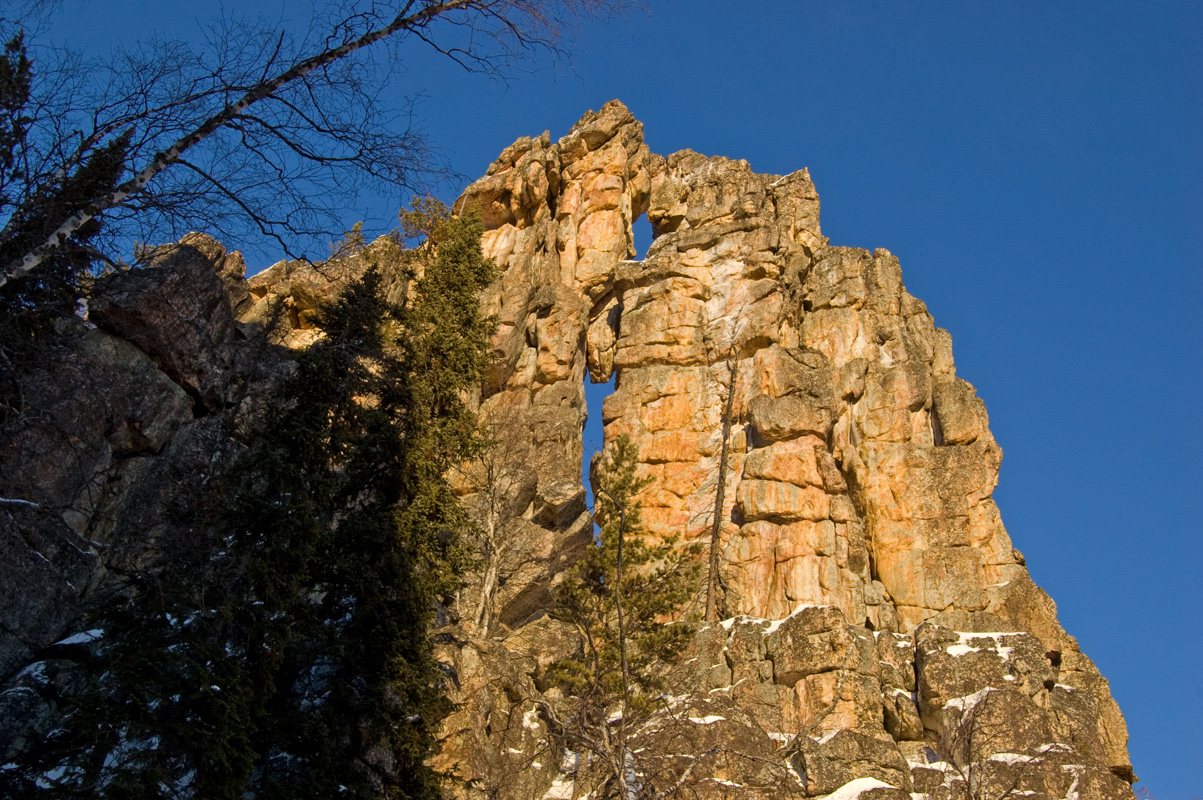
[404, 21]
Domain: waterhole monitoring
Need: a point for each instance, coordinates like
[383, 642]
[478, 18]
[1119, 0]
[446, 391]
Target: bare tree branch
[319, 122]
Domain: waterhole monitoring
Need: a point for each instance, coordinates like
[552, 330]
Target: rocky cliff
[879, 628]
[877, 635]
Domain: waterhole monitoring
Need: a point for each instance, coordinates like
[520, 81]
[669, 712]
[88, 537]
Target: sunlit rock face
[860, 468]
[858, 478]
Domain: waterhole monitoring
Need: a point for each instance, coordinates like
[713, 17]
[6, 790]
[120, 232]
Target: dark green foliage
[283, 651]
[53, 290]
[658, 578]
[16, 78]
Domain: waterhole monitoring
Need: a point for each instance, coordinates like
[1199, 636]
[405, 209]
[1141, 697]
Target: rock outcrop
[123, 417]
[879, 637]
[129, 417]
[881, 633]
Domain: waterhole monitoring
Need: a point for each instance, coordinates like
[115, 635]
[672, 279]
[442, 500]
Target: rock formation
[877, 635]
[881, 631]
[125, 420]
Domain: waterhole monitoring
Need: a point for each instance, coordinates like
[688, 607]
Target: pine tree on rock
[621, 598]
[30, 304]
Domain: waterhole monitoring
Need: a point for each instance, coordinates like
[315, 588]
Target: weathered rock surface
[882, 636]
[882, 632]
[125, 419]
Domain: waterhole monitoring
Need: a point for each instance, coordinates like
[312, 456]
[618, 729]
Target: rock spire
[857, 483]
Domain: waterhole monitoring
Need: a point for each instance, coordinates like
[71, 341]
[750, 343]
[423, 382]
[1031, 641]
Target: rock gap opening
[593, 437]
[641, 230]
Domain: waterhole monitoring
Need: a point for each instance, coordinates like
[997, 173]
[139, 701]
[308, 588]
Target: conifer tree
[283, 651]
[622, 598]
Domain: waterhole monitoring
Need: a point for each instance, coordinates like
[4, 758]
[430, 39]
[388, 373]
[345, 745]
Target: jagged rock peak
[856, 473]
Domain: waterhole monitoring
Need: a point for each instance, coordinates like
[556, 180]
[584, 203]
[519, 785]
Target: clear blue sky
[1037, 166]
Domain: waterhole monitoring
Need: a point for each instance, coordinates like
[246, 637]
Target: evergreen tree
[286, 654]
[621, 598]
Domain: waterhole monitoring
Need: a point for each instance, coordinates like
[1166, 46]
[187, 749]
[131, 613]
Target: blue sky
[1037, 166]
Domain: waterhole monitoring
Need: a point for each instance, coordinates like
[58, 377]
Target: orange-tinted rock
[860, 469]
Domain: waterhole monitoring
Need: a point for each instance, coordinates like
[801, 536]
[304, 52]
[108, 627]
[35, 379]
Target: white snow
[35, 671]
[962, 647]
[530, 720]
[729, 623]
[1072, 792]
[560, 790]
[777, 623]
[670, 700]
[52, 777]
[770, 624]
[82, 638]
[707, 720]
[17, 690]
[1015, 758]
[722, 689]
[854, 789]
[79, 549]
[565, 782]
[789, 764]
[965, 704]
[826, 737]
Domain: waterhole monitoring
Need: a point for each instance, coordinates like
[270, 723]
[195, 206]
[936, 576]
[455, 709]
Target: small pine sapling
[623, 598]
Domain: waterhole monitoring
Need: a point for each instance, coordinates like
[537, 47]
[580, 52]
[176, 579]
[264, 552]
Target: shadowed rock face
[122, 419]
[858, 478]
